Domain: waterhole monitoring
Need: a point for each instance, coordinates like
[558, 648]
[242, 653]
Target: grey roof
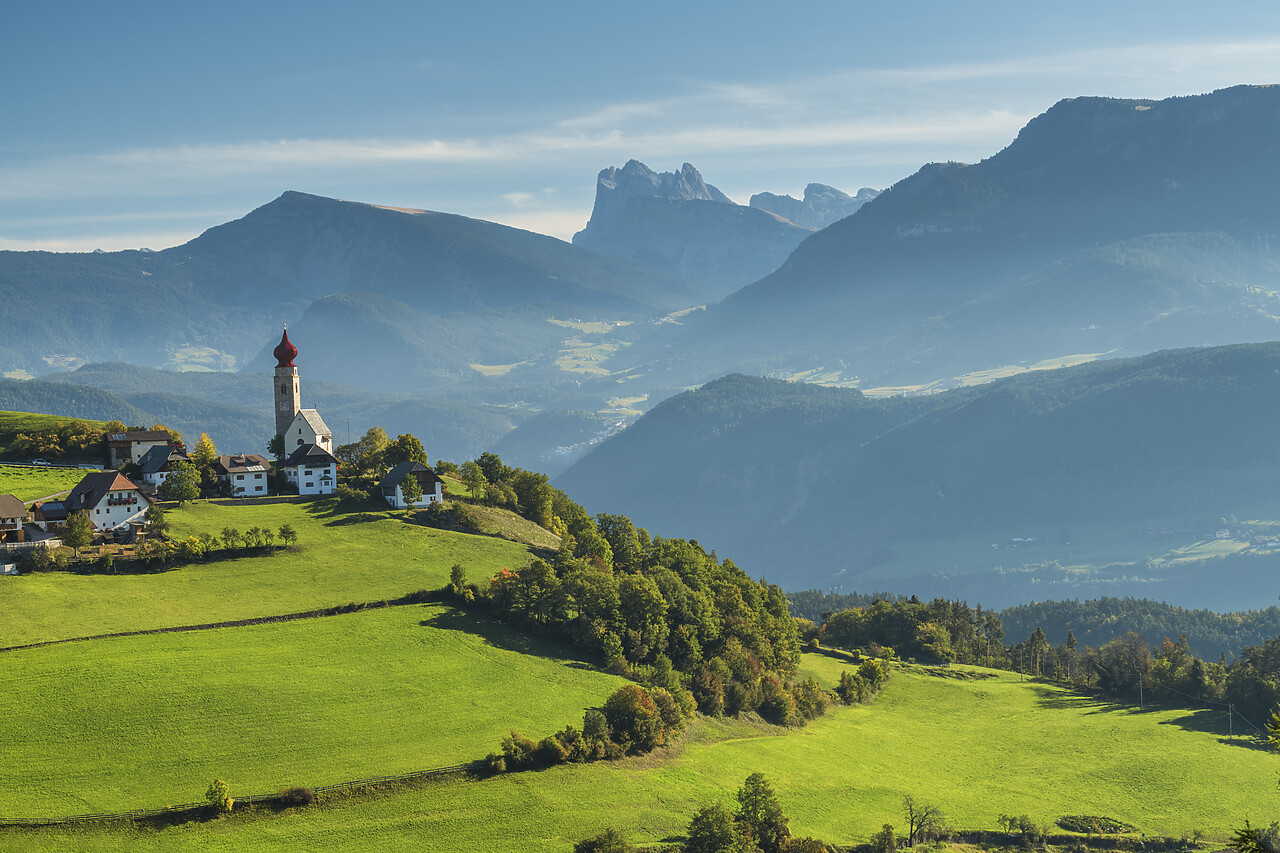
[311, 454]
[144, 435]
[313, 419]
[424, 474]
[243, 463]
[11, 507]
[158, 458]
[50, 510]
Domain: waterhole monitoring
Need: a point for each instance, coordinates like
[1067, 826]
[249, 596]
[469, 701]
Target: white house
[156, 463]
[313, 470]
[432, 486]
[109, 499]
[307, 428]
[244, 475]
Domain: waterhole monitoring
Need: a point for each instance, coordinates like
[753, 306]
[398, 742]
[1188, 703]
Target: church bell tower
[287, 392]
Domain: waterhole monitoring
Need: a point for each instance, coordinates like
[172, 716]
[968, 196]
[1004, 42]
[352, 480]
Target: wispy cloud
[862, 116]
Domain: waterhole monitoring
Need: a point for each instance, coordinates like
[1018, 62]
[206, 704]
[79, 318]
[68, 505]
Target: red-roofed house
[108, 498]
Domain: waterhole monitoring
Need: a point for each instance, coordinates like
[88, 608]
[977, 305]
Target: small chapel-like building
[308, 457]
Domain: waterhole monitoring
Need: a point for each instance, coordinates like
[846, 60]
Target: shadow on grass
[500, 635]
[1201, 720]
[344, 512]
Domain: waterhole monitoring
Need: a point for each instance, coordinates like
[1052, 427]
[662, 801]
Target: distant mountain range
[1055, 484]
[677, 221]
[1107, 226]
[413, 281]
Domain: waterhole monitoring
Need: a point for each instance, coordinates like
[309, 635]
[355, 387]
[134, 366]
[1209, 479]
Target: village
[137, 467]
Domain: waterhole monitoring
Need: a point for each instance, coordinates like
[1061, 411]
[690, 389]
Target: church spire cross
[285, 351]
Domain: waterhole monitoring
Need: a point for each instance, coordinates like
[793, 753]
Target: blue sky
[142, 124]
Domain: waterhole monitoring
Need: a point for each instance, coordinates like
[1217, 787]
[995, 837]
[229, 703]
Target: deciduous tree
[760, 812]
[77, 532]
[182, 484]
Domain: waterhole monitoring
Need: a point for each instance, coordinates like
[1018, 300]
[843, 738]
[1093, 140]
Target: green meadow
[150, 720]
[975, 748]
[138, 722]
[344, 557]
[29, 484]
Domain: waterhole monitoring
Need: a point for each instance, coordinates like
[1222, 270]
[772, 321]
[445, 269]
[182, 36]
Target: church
[307, 456]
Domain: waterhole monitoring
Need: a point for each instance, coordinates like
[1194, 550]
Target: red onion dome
[284, 351]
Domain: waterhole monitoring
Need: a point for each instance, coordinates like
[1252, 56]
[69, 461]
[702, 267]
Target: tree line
[1128, 666]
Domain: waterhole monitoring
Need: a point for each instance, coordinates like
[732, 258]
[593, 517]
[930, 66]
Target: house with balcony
[109, 499]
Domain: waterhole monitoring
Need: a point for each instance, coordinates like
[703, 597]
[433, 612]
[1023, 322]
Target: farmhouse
[13, 514]
[432, 486]
[123, 447]
[313, 470]
[243, 475]
[156, 463]
[109, 499]
[49, 515]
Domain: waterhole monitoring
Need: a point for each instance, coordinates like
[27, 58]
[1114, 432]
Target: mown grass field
[29, 484]
[146, 721]
[152, 719]
[975, 748]
[344, 557]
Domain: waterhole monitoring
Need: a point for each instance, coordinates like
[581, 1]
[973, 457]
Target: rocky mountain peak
[821, 206]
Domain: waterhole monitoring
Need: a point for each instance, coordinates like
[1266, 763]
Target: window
[299, 440]
[239, 476]
[257, 488]
[310, 485]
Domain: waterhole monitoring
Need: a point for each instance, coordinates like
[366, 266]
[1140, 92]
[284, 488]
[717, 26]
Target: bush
[219, 797]
[885, 841]
[518, 751]
[609, 841]
[297, 796]
[1096, 825]
[668, 711]
[633, 718]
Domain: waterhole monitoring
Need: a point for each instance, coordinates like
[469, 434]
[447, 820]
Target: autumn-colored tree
[633, 718]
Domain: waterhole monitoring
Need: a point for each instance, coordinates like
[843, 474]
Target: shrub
[633, 718]
[550, 751]
[668, 711]
[1097, 825]
[219, 797]
[518, 751]
[609, 841]
[885, 841]
[297, 796]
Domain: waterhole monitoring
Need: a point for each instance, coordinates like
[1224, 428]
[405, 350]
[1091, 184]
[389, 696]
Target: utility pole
[1141, 704]
[1231, 723]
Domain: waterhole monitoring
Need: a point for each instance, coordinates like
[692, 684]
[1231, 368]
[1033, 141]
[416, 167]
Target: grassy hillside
[28, 484]
[364, 556]
[153, 719]
[145, 721]
[975, 748]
